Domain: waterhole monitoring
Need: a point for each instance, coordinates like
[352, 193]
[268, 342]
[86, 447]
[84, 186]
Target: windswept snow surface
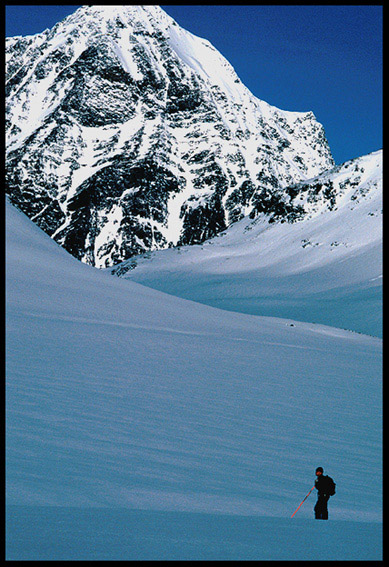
[145, 426]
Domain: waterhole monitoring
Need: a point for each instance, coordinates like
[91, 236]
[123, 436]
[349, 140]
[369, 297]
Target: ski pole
[303, 501]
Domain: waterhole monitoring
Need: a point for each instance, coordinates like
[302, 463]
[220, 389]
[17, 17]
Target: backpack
[330, 486]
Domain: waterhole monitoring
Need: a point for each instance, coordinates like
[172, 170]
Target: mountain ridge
[325, 267]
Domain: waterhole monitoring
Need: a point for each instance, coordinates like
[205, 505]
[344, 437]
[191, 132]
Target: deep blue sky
[327, 59]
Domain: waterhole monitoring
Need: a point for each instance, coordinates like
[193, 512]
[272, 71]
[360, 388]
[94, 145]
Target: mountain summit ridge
[126, 133]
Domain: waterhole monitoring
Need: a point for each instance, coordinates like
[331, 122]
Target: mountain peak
[127, 133]
[121, 15]
[127, 11]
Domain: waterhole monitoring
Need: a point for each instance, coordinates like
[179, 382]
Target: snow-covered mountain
[145, 426]
[326, 267]
[141, 425]
[126, 133]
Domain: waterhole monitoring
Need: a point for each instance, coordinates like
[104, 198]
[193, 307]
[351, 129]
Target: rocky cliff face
[126, 133]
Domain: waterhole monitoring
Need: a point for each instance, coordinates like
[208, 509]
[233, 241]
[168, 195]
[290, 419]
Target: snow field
[122, 397]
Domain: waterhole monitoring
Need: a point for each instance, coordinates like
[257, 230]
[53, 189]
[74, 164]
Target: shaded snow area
[82, 534]
[146, 426]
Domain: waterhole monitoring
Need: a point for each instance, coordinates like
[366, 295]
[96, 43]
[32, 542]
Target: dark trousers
[321, 511]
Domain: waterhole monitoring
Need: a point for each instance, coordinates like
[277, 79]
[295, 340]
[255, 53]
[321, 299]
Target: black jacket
[323, 484]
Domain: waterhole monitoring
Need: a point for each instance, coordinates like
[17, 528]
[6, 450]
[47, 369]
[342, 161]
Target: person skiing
[325, 487]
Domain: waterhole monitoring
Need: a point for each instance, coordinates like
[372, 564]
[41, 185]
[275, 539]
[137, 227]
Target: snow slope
[144, 425]
[326, 268]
